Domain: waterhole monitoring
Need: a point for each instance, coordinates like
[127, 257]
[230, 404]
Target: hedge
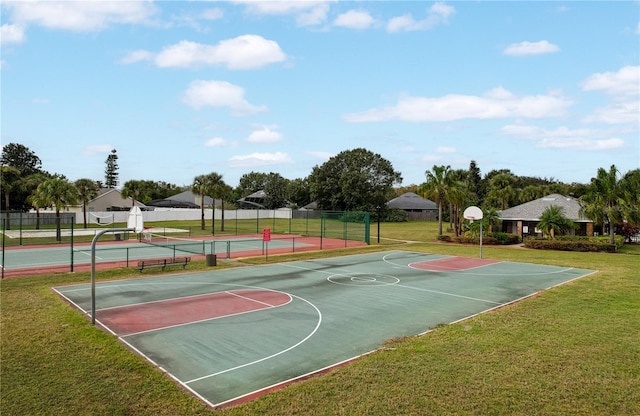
[571, 244]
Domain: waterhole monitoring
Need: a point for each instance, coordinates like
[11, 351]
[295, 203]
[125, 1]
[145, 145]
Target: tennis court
[229, 335]
[22, 260]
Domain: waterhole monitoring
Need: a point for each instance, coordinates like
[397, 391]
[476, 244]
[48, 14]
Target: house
[523, 219]
[108, 199]
[186, 199]
[417, 207]
[255, 200]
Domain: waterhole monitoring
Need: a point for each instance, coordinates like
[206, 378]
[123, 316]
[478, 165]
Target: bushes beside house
[573, 243]
[496, 238]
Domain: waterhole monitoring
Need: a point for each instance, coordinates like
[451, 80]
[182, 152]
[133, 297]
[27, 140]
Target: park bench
[169, 261]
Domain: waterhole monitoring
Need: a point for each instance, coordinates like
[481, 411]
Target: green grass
[572, 350]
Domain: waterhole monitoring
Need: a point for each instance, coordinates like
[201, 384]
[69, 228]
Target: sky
[548, 89]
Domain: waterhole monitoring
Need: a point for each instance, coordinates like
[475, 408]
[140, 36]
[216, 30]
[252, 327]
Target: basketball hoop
[474, 213]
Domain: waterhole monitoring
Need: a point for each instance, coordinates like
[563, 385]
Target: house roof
[532, 211]
[190, 197]
[171, 203]
[412, 201]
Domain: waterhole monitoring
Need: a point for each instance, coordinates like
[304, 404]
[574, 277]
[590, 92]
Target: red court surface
[126, 320]
[452, 264]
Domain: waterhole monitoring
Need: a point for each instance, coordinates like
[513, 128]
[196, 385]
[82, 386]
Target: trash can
[118, 236]
[211, 260]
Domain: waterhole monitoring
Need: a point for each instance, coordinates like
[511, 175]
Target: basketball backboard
[135, 219]
[472, 213]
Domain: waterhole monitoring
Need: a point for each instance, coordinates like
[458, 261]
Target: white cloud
[498, 103]
[565, 138]
[530, 48]
[623, 87]
[260, 159]
[324, 156]
[137, 56]
[445, 149]
[40, 100]
[264, 135]
[624, 82]
[10, 34]
[212, 14]
[437, 14]
[616, 113]
[215, 142]
[97, 149]
[242, 52]
[308, 12]
[219, 94]
[354, 19]
[80, 16]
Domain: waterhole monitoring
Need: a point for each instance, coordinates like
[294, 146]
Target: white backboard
[135, 219]
[472, 213]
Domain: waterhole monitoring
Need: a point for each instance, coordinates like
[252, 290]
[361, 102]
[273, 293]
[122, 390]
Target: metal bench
[169, 261]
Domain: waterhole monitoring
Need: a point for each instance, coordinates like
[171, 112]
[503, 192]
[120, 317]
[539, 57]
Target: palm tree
[134, 189]
[437, 187]
[199, 186]
[552, 221]
[501, 189]
[606, 201]
[59, 193]
[87, 190]
[9, 181]
[36, 200]
[214, 187]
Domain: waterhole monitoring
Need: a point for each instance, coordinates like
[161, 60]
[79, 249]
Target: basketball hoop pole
[93, 266]
[480, 238]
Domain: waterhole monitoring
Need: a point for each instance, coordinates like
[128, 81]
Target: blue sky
[179, 89]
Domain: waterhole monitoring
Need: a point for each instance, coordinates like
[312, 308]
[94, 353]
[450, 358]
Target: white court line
[449, 294]
[272, 355]
[399, 285]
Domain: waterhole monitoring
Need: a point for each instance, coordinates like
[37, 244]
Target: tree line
[353, 180]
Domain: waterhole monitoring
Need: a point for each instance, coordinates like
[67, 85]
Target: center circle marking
[363, 279]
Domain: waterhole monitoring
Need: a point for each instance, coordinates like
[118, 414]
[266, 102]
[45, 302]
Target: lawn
[574, 349]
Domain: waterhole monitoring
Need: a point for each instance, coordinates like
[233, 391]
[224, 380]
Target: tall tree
[9, 181]
[111, 170]
[87, 190]
[215, 186]
[135, 189]
[199, 187]
[501, 190]
[475, 184]
[28, 163]
[437, 186]
[276, 191]
[21, 158]
[59, 193]
[31, 183]
[353, 180]
[607, 201]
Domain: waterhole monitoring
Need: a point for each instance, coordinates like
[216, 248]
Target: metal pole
[93, 267]
[481, 238]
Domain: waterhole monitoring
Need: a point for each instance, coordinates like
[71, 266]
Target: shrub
[505, 238]
[396, 215]
[585, 244]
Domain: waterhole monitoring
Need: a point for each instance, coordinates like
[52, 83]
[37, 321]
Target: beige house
[108, 199]
[523, 219]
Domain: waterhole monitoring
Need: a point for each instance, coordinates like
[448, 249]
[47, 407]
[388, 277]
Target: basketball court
[230, 335]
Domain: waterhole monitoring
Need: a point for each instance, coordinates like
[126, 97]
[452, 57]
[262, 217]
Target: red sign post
[266, 234]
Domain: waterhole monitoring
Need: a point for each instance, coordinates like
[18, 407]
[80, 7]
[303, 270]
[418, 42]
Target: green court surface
[48, 256]
[229, 335]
